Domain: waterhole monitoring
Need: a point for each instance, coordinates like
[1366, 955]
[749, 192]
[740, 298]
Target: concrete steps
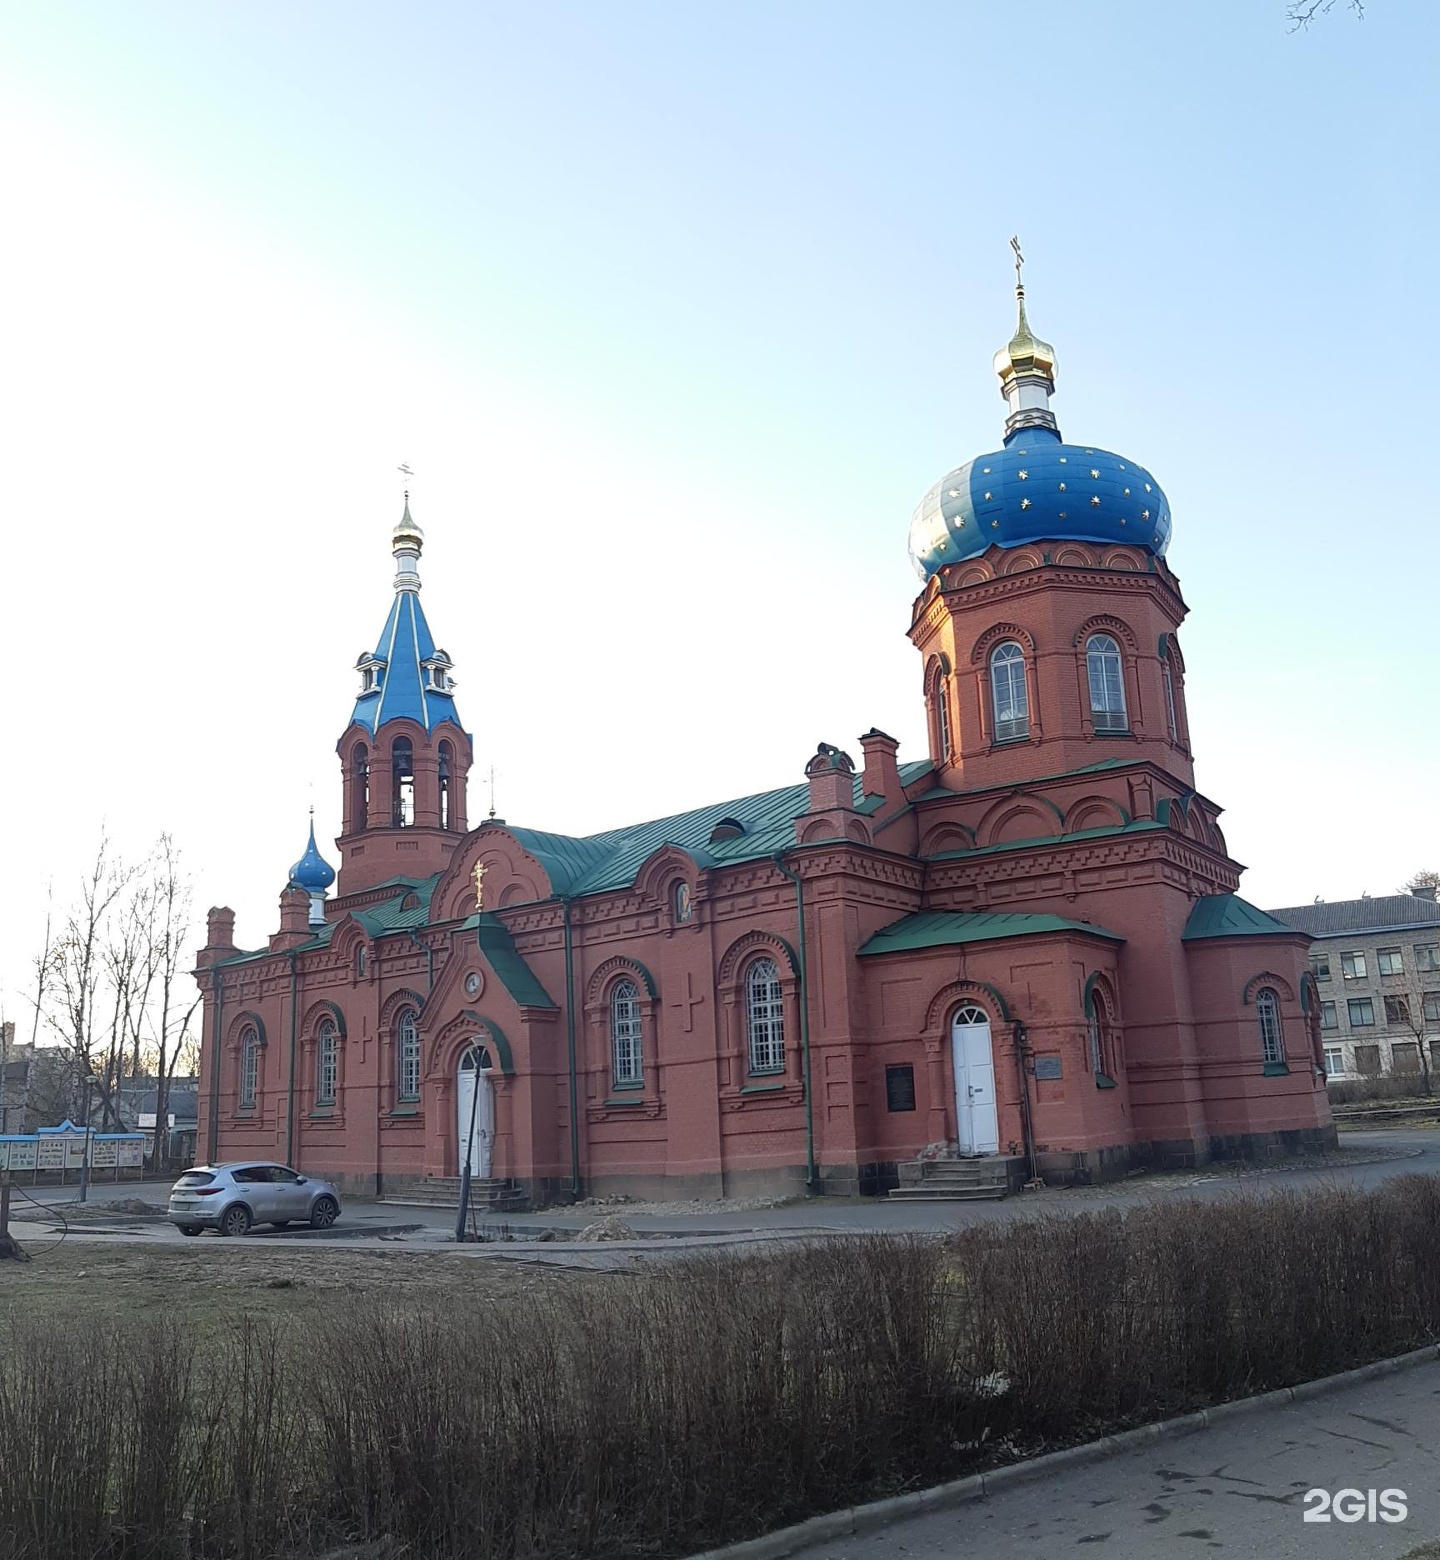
[957, 1180]
[443, 1191]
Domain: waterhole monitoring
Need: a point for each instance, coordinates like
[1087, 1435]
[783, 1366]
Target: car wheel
[236, 1220]
[189, 1229]
[279, 1224]
[324, 1213]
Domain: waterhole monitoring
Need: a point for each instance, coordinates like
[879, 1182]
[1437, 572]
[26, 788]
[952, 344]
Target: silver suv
[232, 1198]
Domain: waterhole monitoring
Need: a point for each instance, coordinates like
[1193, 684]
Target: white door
[976, 1116]
[475, 1108]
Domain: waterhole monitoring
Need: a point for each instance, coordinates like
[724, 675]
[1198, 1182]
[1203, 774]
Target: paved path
[1236, 1489]
[1415, 1151]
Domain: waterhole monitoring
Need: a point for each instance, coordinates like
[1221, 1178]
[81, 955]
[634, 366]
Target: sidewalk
[1235, 1489]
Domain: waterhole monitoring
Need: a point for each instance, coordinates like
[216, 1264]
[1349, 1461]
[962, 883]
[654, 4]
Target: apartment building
[1377, 967]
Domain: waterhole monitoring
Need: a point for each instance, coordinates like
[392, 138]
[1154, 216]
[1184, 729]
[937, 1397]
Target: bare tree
[72, 970]
[1426, 878]
[1300, 13]
[167, 1016]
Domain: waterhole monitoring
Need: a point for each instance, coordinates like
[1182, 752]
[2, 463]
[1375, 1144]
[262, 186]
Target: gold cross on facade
[478, 877]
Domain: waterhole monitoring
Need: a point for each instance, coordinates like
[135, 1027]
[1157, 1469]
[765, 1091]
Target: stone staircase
[959, 1180]
[443, 1191]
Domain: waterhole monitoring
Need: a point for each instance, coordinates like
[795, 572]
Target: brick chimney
[219, 936]
[294, 919]
[882, 770]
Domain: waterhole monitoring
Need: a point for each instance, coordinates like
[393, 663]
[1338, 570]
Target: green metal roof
[504, 958]
[599, 863]
[1227, 915]
[1138, 826]
[942, 928]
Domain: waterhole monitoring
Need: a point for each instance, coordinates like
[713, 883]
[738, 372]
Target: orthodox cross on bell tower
[1019, 261]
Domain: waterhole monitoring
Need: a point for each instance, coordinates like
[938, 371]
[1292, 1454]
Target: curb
[854, 1520]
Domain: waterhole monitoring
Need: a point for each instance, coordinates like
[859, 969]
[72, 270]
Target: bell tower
[404, 757]
[1048, 621]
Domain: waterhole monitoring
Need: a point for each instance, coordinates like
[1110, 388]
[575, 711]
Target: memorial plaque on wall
[900, 1088]
[1048, 1067]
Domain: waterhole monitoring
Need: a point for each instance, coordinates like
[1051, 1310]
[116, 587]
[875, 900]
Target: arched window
[359, 786]
[402, 783]
[249, 1068]
[1272, 1036]
[1107, 684]
[1170, 719]
[1007, 692]
[447, 769]
[1099, 1036]
[765, 1017]
[407, 1047]
[942, 715]
[327, 1062]
[625, 1035]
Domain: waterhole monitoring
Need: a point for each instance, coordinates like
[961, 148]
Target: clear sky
[677, 310]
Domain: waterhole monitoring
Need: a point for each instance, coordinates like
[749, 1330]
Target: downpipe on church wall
[290, 1084]
[217, 985]
[570, 1049]
[799, 883]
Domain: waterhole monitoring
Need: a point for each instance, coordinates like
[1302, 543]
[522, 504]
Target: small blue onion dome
[312, 872]
[1037, 488]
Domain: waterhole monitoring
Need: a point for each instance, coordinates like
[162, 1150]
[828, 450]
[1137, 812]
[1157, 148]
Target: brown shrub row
[712, 1400]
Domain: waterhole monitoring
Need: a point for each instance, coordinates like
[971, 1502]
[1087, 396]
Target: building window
[407, 1039]
[447, 772]
[625, 1035]
[1352, 966]
[1328, 1018]
[765, 1017]
[1172, 724]
[1320, 965]
[1367, 1060]
[1107, 684]
[249, 1068]
[1334, 1061]
[327, 1063]
[1007, 693]
[1272, 1038]
[1397, 1011]
[1427, 958]
[1405, 1057]
[1390, 961]
[1362, 1012]
[942, 714]
[402, 783]
[1430, 1007]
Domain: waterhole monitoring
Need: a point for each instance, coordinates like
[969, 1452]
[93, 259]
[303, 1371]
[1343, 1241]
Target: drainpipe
[810, 1176]
[217, 1034]
[1022, 1056]
[290, 1090]
[570, 1053]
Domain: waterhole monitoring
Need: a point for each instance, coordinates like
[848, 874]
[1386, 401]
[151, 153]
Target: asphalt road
[1419, 1150]
[1237, 1489]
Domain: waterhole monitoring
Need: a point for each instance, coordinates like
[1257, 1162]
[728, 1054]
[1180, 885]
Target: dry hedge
[710, 1400]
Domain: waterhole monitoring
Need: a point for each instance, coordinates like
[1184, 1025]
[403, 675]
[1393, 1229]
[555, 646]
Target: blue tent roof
[401, 690]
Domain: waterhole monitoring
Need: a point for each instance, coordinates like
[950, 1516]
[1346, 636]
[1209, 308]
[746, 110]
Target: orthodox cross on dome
[406, 472]
[1026, 366]
[491, 778]
[1019, 261]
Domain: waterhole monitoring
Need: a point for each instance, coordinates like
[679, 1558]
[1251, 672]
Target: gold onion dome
[1025, 355]
[407, 533]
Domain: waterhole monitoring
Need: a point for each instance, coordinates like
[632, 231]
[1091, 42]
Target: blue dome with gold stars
[1037, 488]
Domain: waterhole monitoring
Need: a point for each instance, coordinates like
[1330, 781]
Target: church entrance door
[976, 1116]
[475, 1109]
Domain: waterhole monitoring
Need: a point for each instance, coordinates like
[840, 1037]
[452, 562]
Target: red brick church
[1024, 946]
